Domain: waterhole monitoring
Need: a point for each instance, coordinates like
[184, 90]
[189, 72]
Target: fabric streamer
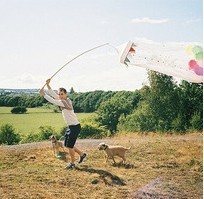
[181, 60]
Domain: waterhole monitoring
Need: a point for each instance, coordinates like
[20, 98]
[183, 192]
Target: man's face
[62, 95]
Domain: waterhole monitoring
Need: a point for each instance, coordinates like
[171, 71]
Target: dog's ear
[52, 136]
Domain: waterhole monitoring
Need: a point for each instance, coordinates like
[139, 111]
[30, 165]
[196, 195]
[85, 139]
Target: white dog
[56, 144]
[111, 151]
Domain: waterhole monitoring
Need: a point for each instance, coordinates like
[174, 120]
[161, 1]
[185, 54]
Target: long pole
[74, 59]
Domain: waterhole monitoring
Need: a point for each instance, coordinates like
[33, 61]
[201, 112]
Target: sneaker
[82, 158]
[70, 166]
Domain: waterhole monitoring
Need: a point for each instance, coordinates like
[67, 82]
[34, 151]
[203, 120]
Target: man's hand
[48, 83]
[42, 92]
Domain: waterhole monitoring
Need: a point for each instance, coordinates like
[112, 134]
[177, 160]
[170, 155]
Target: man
[70, 119]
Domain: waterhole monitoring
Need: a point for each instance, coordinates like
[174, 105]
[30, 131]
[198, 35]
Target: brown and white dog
[111, 151]
[56, 144]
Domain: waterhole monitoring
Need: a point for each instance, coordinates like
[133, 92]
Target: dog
[56, 144]
[111, 151]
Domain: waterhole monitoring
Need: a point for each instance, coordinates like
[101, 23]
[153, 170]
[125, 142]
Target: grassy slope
[33, 119]
[161, 166]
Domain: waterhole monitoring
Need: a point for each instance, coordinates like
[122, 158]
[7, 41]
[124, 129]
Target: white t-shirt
[66, 106]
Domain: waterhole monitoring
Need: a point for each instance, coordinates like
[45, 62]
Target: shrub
[138, 121]
[196, 122]
[178, 124]
[46, 132]
[109, 112]
[19, 109]
[29, 138]
[63, 130]
[8, 135]
[89, 130]
[93, 130]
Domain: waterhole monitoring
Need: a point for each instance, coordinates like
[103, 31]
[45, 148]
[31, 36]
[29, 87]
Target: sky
[37, 37]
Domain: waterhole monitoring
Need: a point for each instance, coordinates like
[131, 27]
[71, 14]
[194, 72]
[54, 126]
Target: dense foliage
[23, 100]
[163, 106]
[166, 106]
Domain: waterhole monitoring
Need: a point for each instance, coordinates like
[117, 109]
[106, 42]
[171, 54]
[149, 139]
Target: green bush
[46, 132]
[92, 130]
[29, 138]
[109, 112]
[89, 130]
[8, 135]
[178, 124]
[19, 109]
[63, 130]
[138, 121]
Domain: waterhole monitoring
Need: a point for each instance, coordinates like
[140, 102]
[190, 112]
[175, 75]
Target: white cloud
[149, 21]
[25, 80]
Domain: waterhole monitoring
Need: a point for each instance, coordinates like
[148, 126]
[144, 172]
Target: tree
[109, 112]
[157, 107]
[71, 90]
[191, 106]
[163, 100]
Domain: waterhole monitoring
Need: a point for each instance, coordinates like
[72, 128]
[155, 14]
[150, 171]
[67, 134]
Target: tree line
[162, 106]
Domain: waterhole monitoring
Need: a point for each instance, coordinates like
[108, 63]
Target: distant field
[34, 118]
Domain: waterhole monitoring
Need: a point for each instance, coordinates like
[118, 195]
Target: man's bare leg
[78, 151]
[72, 153]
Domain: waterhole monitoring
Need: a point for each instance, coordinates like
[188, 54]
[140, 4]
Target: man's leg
[72, 153]
[78, 151]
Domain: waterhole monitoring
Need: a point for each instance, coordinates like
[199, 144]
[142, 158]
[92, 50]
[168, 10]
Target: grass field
[34, 118]
[157, 167]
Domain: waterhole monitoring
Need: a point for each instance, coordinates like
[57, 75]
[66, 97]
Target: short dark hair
[63, 90]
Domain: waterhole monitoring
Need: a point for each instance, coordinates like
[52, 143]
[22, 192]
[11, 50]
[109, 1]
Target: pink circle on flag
[192, 64]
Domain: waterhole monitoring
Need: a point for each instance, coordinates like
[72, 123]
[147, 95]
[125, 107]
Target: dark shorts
[71, 135]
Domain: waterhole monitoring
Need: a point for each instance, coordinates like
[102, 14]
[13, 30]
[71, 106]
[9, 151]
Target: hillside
[168, 166]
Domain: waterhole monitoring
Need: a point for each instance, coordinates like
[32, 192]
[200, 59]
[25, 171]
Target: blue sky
[38, 36]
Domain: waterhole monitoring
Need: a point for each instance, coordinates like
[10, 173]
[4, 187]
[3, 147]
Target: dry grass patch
[157, 166]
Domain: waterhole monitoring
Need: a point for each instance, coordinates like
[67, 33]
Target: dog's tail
[128, 148]
[61, 139]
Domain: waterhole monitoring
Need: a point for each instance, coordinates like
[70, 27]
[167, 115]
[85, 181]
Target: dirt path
[93, 143]
[83, 143]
